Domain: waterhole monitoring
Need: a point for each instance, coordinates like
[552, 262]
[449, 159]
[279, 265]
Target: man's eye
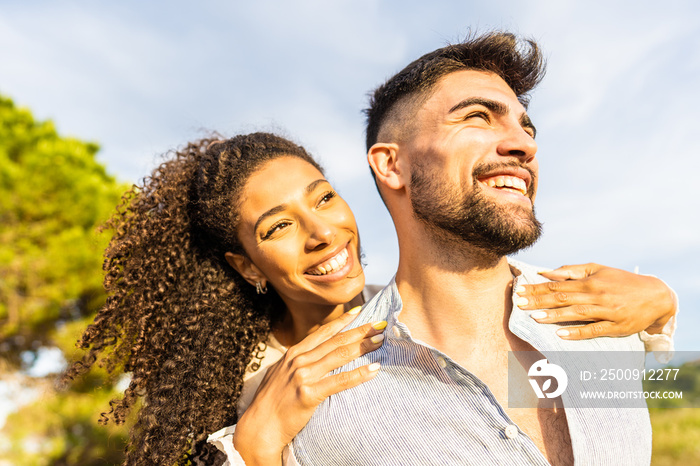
[327, 197]
[274, 228]
[482, 115]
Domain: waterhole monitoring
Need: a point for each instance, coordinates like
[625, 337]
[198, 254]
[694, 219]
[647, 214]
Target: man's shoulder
[543, 336]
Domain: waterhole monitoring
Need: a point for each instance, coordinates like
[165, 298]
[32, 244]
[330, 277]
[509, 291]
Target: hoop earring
[260, 289]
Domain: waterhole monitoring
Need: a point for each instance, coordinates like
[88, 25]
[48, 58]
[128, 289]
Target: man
[453, 151]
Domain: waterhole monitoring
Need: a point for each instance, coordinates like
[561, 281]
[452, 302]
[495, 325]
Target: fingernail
[562, 332]
[520, 289]
[355, 310]
[377, 338]
[545, 270]
[381, 325]
[521, 301]
[374, 366]
[538, 315]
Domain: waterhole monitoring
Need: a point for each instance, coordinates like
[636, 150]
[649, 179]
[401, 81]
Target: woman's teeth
[331, 265]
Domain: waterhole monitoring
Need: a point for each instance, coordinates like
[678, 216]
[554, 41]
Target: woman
[231, 252]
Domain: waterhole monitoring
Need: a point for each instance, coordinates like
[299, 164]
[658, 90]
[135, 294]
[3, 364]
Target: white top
[266, 355]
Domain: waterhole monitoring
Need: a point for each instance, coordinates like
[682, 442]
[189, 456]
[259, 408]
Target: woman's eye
[327, 197]
[274, 228]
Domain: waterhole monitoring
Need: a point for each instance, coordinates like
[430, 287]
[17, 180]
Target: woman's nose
[321, 233]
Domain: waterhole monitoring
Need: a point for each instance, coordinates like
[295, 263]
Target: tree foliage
[53, 196]
[60, 429]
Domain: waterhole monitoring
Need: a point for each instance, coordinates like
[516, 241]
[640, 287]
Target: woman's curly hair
[178, 317]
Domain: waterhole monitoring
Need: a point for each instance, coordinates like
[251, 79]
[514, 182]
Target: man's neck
[454, 296]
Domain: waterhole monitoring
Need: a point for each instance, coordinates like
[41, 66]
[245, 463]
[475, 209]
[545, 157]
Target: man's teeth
[334, 264]
[512, 182]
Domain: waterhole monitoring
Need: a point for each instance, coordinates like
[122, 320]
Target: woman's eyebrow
[313, 185]
[279, 208]
[273, 211]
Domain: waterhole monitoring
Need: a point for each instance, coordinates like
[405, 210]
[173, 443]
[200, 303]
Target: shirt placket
[503, 427]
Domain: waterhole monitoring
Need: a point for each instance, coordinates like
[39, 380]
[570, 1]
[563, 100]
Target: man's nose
[321, 233]
[518, 143]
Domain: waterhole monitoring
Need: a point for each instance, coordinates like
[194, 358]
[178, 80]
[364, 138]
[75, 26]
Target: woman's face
[299, 234]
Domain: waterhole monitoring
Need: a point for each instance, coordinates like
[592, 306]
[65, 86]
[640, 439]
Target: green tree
[53, 197]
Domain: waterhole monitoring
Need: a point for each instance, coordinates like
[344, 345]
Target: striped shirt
[423, 408]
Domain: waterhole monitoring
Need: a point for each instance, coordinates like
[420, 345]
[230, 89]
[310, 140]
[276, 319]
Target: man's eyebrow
[499, 108]
[279, 208]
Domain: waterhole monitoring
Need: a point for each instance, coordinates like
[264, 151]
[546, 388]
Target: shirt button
[511, 431]
[442, 362]
[397, 332]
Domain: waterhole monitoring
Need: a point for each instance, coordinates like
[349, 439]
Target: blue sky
[617, 114]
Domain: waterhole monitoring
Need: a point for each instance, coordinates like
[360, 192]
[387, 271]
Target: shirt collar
[387, 305]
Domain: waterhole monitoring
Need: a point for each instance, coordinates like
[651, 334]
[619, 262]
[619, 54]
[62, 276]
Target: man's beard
[470, 216]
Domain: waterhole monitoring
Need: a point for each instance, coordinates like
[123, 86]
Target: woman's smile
[337, 267]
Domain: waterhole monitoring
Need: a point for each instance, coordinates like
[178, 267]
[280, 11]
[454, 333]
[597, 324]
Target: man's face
[473, 166]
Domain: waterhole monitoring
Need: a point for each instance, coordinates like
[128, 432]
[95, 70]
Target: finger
[345, 346]
[571, 272]
[337, 383]
[344, 354]
[594, 330]
[326, 331]
[570, 314]
[548, 288]
[554, 299]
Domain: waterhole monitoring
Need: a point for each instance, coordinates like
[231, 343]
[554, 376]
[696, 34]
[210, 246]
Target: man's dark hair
[518, 62]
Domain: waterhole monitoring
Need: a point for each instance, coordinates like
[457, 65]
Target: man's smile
[507, 180]
[510, 183]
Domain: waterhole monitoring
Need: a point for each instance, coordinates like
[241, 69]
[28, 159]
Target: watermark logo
[602, 379]
[542, 368]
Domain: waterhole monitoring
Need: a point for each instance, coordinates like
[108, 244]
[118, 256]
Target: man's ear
[246, 268]
[386, 165]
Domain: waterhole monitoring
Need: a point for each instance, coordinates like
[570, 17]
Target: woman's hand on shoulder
[294, 386]
[616, 302]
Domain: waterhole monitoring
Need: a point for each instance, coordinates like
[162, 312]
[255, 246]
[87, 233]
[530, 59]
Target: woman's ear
[246, 268]
[384, 161]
